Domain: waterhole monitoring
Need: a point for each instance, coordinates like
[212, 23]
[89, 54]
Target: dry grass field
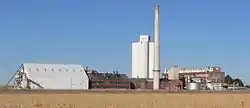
[125, 100]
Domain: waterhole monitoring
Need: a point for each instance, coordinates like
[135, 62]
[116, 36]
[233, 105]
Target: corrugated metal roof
[53, 67]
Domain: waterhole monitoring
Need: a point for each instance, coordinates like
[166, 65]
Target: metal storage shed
[50, 76]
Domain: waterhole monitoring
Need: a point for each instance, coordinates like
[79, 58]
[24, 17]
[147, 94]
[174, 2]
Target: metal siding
[151, 59]
[59, 78]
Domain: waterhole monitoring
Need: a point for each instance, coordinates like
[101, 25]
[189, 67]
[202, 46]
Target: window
[37, 69]
[52, 69]
[29, 69]
[60, 70]
[45, 70]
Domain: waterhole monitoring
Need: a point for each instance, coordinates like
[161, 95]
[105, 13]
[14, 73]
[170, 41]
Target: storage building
[50, 76]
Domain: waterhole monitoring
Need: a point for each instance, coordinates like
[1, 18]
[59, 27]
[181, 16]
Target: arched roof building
[50, 76]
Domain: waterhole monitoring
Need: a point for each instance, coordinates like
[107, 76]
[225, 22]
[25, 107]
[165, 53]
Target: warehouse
[50, 76]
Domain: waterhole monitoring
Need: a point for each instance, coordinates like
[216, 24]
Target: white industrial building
[143, 58]
[50, 76]
[173, 73]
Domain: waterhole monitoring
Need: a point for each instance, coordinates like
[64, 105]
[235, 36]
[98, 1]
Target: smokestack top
[156, 7]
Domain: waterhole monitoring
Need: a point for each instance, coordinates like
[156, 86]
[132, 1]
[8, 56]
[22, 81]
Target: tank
[193, 86]
[215, 86]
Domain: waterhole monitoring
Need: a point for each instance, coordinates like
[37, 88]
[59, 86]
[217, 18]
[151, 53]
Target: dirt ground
[125, 100]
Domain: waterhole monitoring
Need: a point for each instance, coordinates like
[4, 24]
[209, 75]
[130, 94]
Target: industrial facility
[146, 55]
[145, 72]
[77, 77]
[210, 78]
[176, 78]
[146, 68]
[66, 77]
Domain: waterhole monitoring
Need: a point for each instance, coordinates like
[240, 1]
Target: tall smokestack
[156, 48]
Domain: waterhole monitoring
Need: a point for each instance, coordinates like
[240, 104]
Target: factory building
[50, 76]
[109, 80]
[209, 77]
[209, 74]
[143, 58]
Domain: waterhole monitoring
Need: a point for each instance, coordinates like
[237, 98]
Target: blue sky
[99, 33]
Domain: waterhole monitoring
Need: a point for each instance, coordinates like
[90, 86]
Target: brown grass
[126, 100]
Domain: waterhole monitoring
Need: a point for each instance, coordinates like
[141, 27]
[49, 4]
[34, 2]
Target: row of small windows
[60, 70]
